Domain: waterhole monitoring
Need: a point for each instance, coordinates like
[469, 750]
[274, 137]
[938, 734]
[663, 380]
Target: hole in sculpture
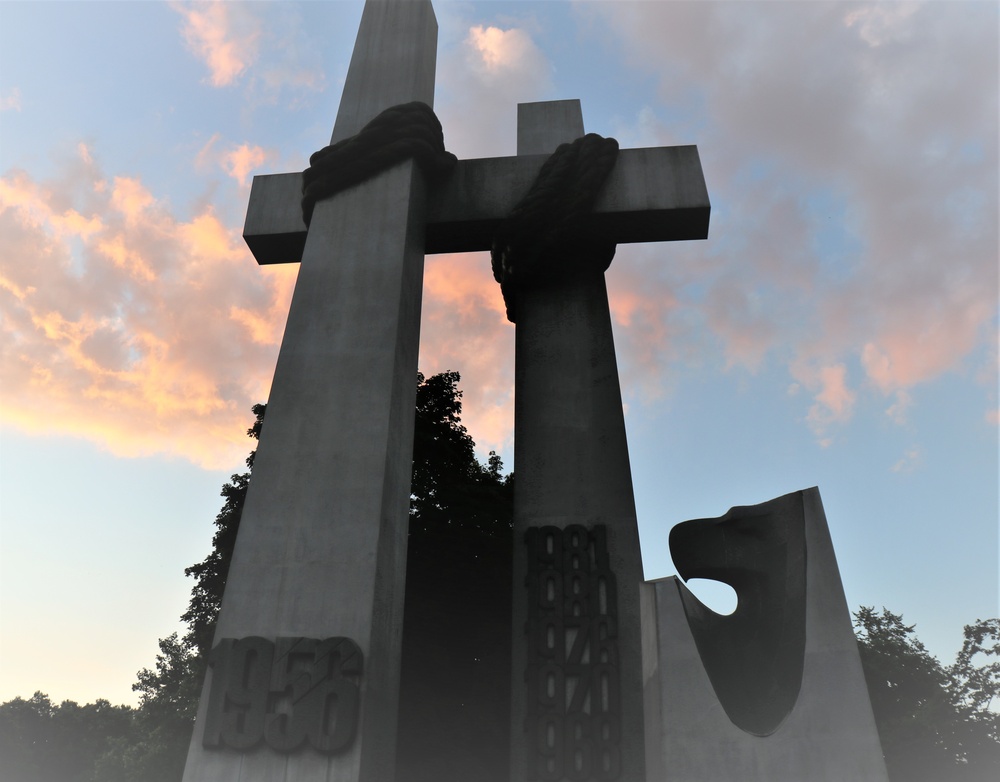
[720, 597]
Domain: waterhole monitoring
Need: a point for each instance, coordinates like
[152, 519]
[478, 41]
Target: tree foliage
[453, 497]
[936, 724]
[454, 710]
[210, 574]
[451, 489]
[43, 742]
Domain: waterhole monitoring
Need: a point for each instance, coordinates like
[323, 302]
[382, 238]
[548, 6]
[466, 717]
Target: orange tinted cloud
[222, 35]
[129, 326]
[464, 327]
[239, 162]
[130, 198]
[921, 348]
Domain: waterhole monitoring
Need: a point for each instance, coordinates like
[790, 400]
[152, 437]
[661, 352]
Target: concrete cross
[654, 194]
[322, 544]
[573, 474]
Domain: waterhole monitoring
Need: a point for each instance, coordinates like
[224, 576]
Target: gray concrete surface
[571, 451]
[322, 544]
[830, 734]
[652, 195]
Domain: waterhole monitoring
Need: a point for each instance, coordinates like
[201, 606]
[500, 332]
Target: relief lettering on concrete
[286, 693]
[574, 696]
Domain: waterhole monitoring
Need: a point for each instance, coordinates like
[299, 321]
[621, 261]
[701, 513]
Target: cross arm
[652, 195]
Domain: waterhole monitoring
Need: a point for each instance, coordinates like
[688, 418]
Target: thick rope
[400, 132]
[548, 235]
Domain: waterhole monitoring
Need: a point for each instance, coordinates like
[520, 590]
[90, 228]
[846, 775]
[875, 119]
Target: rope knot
[548, 235]
[400, 132]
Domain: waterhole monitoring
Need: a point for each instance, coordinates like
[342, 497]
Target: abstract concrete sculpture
[754, 656]
[774, 692]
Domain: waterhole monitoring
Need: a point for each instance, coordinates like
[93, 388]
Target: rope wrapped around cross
[547, 235]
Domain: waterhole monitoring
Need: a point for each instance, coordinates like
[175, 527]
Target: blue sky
[838, 328]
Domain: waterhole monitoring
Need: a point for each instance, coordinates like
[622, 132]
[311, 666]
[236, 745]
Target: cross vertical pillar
[321, 552]
[577, 698]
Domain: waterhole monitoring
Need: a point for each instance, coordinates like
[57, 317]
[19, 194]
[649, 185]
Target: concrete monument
[304, 676]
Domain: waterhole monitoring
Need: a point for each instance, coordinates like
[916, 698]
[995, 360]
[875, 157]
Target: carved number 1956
[286, 692]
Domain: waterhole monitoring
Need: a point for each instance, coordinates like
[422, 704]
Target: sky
[838, 327]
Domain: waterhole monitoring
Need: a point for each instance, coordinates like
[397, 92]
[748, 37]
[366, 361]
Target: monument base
[827, 734]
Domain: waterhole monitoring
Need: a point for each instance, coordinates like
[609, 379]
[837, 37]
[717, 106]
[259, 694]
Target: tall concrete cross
[577, 673]
[304, 681]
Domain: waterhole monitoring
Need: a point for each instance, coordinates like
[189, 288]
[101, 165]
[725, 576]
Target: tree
[42, 742]
[169, 692]
[934, 723]
[450, 488]
[460, 513]
[210, 574]
[156, 748]
[454, 710]
[974, 684]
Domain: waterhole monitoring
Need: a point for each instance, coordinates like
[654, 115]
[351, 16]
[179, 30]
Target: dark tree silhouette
[454, 720]
[42, 742]
[935, 723]
[210, 574]
[458, 615]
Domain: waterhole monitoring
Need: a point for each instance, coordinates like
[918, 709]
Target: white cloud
[882, 23]
[911, 459]
[480, 84]
[851, 157]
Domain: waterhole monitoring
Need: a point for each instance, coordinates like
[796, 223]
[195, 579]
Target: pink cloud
[919, 345]
[833, 399]
[241, 160]
[854, 155]
[834, 395]
[222, 35]
[11, 101]
[237, 160]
